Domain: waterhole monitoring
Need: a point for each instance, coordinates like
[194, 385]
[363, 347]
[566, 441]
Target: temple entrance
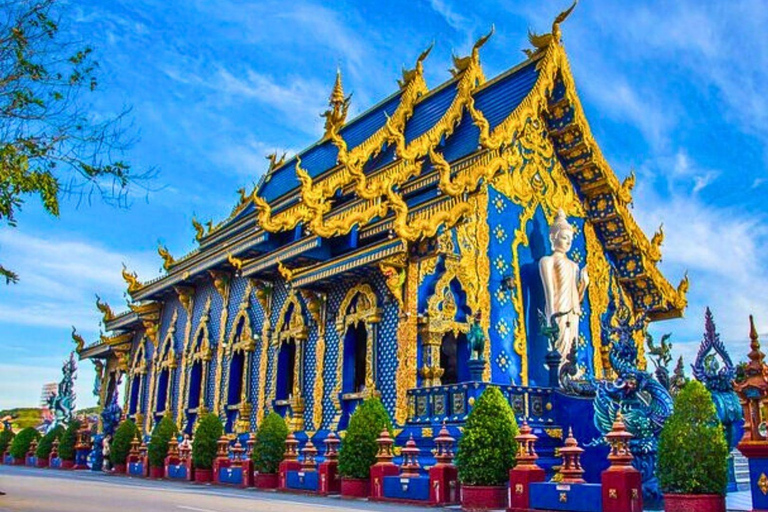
[236, 366]
[355, 348]
[454, 356]
[287, 389]
[195, 385]
[163, 383]
[133, 403]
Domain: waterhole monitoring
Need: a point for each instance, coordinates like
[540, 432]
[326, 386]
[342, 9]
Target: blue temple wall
[220, 363]
[279, 295]
[503, 221]
[170, 305]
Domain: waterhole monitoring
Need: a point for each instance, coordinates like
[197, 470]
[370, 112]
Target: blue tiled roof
[496, 101]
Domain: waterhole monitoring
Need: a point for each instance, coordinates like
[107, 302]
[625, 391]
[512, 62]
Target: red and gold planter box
[120, 469]
[266, 480]
[42, 462]
[156, 472]
[67, 464]
[482, 497]
[694, 503]
[355, 488]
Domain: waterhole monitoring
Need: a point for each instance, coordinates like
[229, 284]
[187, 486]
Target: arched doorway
[288, 340]
[198, 361]
[240, 349]
[356, 366]
[164, 368]
[137, 375]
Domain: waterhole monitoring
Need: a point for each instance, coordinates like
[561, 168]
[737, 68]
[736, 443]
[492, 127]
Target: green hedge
[269, 445]
[6, 436]
[204, 445]
[45, 446]
[692, 449]
[68, 441]
[20, 444]
[487, 448]
[158, 443]
[359, 448]
[121, 442]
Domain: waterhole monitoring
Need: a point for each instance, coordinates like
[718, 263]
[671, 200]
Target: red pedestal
[42, 462]
[285, 467]
[480, 497]
[219, 463]
[329, 481]
[156, 472]
[266, 480]
[120, 469]
[622, 490]
[694, 503]
[67, 464]
[355, 488]
[203, 476]
[443, 485]
[19, 461]
[247, 473]
[520, 480]
[378, 472]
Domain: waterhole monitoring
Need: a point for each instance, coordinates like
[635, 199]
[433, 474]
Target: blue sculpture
[110, 415]
[719, 381]
[644, 402]
[62, 403]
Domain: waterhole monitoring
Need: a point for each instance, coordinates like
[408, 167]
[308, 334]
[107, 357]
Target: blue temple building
[359, 266]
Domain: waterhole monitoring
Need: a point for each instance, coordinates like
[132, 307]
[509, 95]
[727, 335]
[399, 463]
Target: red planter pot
[120, 469]
[481, 497]
[19, 462]
[694, 503]
[355, 488]
[156, 472]
[266, 480]
[203, 476]
[67, 464]
[42, 462]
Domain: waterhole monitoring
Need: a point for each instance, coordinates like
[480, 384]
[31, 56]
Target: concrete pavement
[45, 490]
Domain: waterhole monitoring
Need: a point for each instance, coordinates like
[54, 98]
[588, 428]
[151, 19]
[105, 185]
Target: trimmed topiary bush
[6, 436]
[487, 448]
[692, 449]
[204, 444]
[270, 444]
[68, 441]
[158, 442]
[45, 446]
[20, 443]
[121, 442]
[359, 448]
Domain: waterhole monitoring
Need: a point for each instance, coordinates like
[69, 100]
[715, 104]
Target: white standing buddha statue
[564, 284]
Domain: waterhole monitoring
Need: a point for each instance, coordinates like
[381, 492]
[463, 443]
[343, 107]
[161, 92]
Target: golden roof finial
[337, 114]
[79, 341]
[132, 279]
[541, 42]
[168, 260]
[199, 230]
[106, 311]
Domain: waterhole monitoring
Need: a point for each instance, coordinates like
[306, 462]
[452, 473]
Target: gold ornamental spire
[337, 114]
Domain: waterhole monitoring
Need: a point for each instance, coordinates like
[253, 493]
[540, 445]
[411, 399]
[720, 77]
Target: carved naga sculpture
[645, 403]
[62, 403]
[719, 379]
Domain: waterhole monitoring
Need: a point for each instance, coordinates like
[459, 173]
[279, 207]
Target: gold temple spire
[337, 114]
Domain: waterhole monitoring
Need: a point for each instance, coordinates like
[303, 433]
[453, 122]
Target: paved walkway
[44, 490]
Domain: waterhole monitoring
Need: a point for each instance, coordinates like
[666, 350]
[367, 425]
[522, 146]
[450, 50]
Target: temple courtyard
[37, 490]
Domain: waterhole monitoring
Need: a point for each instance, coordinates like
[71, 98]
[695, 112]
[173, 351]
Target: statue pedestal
[476, 369]
[552, 360]
[757, 454]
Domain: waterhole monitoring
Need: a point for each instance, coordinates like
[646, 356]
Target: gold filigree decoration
[221, 282]
[186, 296]
[197, 349]
[106, 311]
[236, 263]
[393, 269]
[762, 483]
[656, 241]
[132, 279]
[79, 341]
[407, 330]
[597, 292]
[165, 359]
[168, 260]
[285, 272]
[543, 42]
[149, 315]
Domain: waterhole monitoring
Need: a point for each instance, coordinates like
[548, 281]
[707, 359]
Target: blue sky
[674, 90]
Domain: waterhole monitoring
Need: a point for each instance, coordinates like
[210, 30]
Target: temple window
[454, 354]
[287, 362]
[286, 374]
[355, 351]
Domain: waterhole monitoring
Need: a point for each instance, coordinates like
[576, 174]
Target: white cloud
[447, 12]
[59, 278]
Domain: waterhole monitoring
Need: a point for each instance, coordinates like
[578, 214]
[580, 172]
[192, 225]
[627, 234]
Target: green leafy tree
[487, 448]
[68, 441]
[158, 442]
[359, 448]
[51, 140]
[204, 445]
[45, 446]
[20, 444]
[121, 442]
[6, 436]
[269, 445]
[692, 449]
